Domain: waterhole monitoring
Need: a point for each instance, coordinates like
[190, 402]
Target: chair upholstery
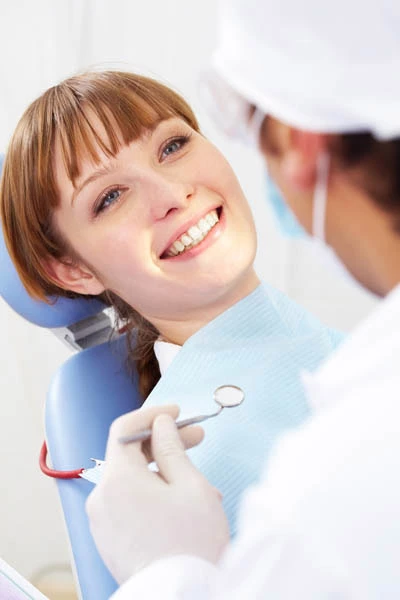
[86, 394]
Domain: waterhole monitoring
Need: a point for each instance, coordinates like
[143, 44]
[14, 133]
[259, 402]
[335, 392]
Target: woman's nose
[168, 196]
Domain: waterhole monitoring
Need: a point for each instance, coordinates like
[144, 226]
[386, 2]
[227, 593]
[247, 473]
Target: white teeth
[194, 232]
[203, 226]
[178, 246]
[194, 235]
[186, 240]
[209, 219]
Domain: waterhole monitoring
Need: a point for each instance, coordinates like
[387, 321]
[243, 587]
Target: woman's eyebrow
[107, 169]
[100, 172]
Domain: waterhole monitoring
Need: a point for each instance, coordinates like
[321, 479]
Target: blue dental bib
[260, 344]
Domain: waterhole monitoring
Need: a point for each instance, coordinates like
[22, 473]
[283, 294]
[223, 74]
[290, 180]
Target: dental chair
[86, 394]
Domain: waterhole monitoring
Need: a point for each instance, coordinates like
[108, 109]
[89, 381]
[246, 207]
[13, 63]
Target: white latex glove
[138, 516]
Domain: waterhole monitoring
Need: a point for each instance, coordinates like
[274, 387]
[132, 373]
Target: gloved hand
[138, 516]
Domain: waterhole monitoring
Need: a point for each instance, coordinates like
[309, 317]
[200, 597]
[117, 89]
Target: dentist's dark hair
[126, 105]
[372, 164]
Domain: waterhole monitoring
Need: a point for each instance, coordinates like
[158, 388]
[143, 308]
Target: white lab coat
[324, 523]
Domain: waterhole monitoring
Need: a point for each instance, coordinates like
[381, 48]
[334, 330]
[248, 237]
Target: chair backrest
[87, 393]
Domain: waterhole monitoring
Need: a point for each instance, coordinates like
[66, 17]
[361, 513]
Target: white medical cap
[328, 66]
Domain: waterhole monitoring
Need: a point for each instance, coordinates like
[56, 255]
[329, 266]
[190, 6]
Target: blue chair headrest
[61, 313]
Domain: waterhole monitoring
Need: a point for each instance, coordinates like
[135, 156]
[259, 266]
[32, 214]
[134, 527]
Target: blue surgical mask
[291, 228]
[286, 221]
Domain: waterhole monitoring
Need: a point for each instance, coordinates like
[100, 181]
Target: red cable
[52, 472]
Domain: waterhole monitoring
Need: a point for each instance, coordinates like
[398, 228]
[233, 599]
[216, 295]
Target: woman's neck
[179, 330]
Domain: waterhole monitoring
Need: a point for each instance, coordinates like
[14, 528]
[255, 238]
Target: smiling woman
[109, 189]
[121, 195]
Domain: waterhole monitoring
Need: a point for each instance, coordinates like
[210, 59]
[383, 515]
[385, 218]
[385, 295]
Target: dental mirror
[226, 396]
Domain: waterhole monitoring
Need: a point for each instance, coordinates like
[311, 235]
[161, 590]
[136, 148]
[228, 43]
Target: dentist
[324, 522]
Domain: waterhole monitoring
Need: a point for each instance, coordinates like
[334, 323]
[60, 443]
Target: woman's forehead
[98, 149]
[95, 141]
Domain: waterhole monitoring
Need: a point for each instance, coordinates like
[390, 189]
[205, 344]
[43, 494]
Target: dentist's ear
[299, 158]
[73, 277]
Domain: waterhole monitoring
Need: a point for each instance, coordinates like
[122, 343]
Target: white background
[41, 42]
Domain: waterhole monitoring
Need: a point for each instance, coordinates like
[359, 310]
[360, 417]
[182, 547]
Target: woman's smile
[194, 235]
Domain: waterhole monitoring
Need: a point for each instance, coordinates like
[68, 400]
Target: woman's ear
[73, 277]
[299, 158]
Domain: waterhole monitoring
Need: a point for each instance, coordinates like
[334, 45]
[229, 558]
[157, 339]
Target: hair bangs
[109, 113]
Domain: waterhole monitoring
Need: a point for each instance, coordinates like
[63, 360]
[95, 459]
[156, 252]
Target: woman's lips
[184, 230]
[212, 235]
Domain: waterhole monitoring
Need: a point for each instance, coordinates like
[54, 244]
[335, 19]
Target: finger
[169, 451]
[131, 423]
[190, 436]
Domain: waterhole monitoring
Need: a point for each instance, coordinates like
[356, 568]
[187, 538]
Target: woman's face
[164, 224]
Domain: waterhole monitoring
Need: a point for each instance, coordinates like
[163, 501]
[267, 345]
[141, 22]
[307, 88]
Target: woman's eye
[107, 199]
[174, 146]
